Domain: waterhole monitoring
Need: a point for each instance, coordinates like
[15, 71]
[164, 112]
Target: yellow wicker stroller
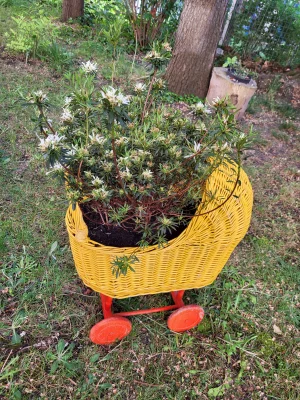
[192, 260]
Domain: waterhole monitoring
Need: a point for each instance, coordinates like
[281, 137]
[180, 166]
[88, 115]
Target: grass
[246, 346]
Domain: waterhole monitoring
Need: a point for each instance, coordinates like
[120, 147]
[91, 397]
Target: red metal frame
[106, 302]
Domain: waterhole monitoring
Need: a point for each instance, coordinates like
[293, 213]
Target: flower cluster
[159, 55]
[89, 67]
[114, 97]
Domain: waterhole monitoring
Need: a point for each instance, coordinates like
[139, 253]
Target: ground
[245, 348]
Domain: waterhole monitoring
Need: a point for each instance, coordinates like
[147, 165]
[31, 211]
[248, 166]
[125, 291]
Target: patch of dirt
[17, 63]
[289, 90]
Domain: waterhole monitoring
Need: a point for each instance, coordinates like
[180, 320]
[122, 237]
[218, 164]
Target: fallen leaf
[277, 330]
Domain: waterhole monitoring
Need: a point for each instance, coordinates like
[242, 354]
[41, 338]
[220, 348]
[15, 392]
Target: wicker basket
[192, 260]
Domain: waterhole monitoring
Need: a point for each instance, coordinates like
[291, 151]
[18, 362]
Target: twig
[5, 362]
[149, 384]
[66, 292]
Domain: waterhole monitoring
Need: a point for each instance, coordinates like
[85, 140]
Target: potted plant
[236, 71]
[158, 199]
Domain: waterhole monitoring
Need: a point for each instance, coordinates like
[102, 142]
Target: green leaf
[17, 395]
[105, 386]
[61, 345]
[54, 367]
[53, 248]
[94, 358]
[218, 391]
[72, 365]
[16, 338]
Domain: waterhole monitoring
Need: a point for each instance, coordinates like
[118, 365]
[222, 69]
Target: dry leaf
[277, 330]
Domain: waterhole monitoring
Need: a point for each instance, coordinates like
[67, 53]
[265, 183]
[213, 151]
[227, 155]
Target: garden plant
[247, 343]
[137, 168]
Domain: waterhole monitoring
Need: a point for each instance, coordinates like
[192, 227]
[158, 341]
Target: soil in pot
[234, 75]
[117, 236]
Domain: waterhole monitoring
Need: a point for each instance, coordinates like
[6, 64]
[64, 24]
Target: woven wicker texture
[192, 260]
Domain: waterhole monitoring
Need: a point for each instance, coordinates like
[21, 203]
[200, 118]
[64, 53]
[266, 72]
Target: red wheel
[185, 318]
[110, 330]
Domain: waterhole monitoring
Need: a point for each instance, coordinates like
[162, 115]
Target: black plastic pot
[232, 73]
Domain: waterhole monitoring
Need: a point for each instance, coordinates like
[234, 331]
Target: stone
[221, 85]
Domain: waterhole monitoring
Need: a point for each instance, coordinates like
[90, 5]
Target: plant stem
[114, 65]
[41, 111]
[87, 125]
[148, 94]
[135, 53]
[121, 183]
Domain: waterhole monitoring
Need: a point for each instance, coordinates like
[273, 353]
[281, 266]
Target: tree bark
[72, 9]
[195, 46]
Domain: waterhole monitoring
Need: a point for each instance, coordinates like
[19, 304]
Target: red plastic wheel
[185, 318]
[110, 330]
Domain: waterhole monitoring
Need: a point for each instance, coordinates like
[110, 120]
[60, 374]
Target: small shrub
[101, 12]
[30, 35]
[147, 19]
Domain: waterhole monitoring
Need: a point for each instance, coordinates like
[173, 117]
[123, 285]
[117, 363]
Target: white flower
[215, 101]
[97, 181]
[67, 116]
[42, 96]
[123, 99]
[100, 194]
[89, 67]
[225, 118]
[126, 174]
[139, 87]
[97, 139]
[68, 100]
[121, 140]
[55, 168]
[147, 174]
[152, 54]
[115, 98]
[50, 142]
[267, 26]
[200, 126]
[167, 46]
[196, 149]
[199, 106]
[71, 152]
[223, 147]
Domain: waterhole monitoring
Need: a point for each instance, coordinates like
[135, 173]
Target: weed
[288, 126]
[280, 135]
[62, 359]
[286, 110]
[189, 98]
[58, 58]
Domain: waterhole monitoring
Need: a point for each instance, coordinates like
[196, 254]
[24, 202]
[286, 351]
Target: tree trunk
[72, 9]
[195, 46]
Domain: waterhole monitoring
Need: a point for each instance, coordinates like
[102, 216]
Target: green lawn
[245, 348]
